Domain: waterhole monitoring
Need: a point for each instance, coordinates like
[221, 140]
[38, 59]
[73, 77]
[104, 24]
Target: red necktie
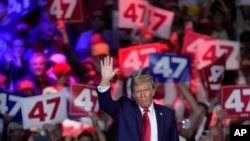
[146, 129]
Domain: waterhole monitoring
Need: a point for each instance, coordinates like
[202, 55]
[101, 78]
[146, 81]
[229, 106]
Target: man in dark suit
[141, 119]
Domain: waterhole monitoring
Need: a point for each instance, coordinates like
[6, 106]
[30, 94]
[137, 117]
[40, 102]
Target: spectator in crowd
[85, 136]
[63, 73]
[14, 65]
[88, 71]
[7, 26]
[3, 81]
[26, 87]
[47, 42]
[54, 132]
[128, 114]
[98, 133]
[22, 30]
[236, 76]
[76, 65]
[199, 115]
[245, 67]
[29, 54]
[97, 31]
[221, 20]
[16, 132]
[213, 134]
[37, 74]
[60, 70]
[44, 38]
[216, 133]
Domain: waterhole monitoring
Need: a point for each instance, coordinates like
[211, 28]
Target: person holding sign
[139, 119]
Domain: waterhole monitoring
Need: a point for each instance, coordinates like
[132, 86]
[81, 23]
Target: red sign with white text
[140, 12]
[83, 100]
[210, 51]
[212, 77]
[191, 42]
[134, 58]
[66, 10]
[38, 110]
[236, 100]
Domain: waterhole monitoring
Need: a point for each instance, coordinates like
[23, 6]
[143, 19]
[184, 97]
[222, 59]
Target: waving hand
[107, 71]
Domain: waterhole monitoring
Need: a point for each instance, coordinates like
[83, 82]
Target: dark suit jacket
[128, 118]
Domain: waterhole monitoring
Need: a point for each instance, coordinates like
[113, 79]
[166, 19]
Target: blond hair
[140, 79]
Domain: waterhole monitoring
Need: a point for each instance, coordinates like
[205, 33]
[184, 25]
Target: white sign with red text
[191, 42]
[210, 51]
[236, 100]
[38, 110]
[83, 100]
[134, 58]
[134, 13]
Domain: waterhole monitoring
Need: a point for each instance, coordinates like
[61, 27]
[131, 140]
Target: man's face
[57, 132]
[245, 67]
[218, 18]
[38, 65]
[17, 134]
[46, 31]
[18, 47]
[216, 134]
[143, 94]
[97, 23]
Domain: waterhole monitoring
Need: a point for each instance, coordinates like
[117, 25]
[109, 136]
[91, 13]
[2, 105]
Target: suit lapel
[159, 118]
[138, 121]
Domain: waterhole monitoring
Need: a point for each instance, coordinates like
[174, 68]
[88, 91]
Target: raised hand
[107, 71]
[62, 29]
[61, 26]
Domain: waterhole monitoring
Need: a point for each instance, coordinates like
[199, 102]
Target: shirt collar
[150, 108]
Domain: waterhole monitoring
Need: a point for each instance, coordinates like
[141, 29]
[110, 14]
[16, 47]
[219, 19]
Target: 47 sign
[39, 110]
[133, 13]
[10, 104]
[212, 77]
[210, 51]
[134, 58]
[67, 10]
[170, 67]
[236, 100]
[83, 100]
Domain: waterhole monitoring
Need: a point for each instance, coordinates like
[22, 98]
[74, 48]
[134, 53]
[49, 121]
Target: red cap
[26, 84]
[61, 69]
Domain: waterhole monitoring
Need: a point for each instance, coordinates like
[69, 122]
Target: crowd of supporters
[37, 52]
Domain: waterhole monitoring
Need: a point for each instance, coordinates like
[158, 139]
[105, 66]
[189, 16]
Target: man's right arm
[104, 97]
[107, 104]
